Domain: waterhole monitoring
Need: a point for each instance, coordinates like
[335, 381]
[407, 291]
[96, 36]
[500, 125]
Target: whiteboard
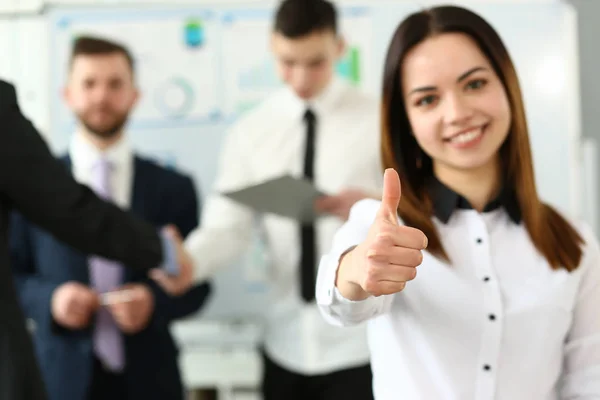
[201, 66]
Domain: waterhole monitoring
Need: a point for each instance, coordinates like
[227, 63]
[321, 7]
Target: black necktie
[308, 257]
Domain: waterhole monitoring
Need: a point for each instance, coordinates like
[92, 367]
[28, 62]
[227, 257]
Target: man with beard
[101, 331]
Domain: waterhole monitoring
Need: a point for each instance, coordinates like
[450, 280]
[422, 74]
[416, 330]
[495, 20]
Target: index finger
[406, 236]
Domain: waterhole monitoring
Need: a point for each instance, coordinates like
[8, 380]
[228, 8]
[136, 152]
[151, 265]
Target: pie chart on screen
[175, 98]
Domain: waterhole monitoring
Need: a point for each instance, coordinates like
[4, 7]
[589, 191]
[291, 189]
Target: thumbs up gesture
[388, 258]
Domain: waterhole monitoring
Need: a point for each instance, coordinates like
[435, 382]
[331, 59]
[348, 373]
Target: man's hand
[181, 283]
[341, 203]
[133, 315]
[73, 305]
[388, 258]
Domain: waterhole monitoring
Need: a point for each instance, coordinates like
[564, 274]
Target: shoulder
[7, 90]
[358, 109]
[170, 176]
[8, 96]
[257, 115]
[590, 246]
[359, 98]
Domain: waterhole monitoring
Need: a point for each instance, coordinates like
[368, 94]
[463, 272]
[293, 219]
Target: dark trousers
[348, 384]
[107, 385]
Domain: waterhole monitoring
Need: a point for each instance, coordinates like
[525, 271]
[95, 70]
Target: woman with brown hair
[504, 304]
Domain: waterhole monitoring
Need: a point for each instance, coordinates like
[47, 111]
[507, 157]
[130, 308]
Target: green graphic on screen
[349, 66]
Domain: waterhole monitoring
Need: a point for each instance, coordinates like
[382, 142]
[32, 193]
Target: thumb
[391, 196]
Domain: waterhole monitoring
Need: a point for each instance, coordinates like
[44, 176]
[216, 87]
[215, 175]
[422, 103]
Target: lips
[467, 137]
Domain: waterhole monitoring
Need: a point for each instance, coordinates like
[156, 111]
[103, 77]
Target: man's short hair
[94, 46]
[297, 18]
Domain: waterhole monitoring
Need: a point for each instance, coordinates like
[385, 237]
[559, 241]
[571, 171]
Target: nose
[458, 110]
[100, 93]
[301, 78]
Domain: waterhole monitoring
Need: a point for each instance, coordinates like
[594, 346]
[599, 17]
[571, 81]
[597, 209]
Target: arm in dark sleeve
[35, 293]
[44, 191]
[183, 210]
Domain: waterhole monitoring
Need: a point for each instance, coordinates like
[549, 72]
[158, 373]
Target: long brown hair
[551, 234]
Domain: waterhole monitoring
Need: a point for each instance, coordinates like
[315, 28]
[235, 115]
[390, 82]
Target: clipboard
[286, 196]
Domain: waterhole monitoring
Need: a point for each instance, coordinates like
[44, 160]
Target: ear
[66, 94]
[341, 46]
[136, 96]
[272, 39]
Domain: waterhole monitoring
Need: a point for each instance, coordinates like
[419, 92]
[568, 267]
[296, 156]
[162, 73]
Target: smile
[467, 138]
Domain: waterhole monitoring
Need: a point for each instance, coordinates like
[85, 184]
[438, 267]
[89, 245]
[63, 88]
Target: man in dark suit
[33, 182]
[69, 334]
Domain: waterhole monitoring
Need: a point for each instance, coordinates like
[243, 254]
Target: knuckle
[412, 274]
[371, 271]
[370, 286]
[385, 229]
[419, 257]
[415, 258]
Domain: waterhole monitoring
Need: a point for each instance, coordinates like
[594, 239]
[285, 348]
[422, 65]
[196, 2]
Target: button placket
[492, 308]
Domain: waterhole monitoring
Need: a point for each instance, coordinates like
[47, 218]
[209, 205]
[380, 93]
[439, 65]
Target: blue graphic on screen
[194, 33]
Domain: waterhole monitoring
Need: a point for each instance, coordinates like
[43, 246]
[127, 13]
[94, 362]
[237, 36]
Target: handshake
[180, 281]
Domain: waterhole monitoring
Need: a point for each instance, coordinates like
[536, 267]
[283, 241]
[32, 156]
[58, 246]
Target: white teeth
[467, 136]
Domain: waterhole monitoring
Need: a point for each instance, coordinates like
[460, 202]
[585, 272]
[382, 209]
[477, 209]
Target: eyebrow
[461, 78]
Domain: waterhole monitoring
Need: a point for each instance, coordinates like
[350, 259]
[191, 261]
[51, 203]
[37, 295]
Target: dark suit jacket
[39, 186]
[42, 263]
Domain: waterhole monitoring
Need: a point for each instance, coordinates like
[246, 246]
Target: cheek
[496, 105]
[323, 72]
[284, 72]
[426, 130]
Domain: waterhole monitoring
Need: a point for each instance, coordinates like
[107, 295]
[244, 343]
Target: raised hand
[388, 258]
[73, 305]
[176, 284]
[341, 203]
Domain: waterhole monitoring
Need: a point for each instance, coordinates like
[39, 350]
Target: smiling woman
[505, 280]
[464, 124]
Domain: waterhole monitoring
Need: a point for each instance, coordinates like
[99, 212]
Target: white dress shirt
[85, 156]
[267, 143]
[498, 323]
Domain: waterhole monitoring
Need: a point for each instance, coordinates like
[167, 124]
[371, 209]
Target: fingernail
[426, 242]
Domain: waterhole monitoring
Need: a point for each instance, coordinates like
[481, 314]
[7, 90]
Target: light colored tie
[106, 275]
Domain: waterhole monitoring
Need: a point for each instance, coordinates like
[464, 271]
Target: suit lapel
[78, 262]
[142, 201]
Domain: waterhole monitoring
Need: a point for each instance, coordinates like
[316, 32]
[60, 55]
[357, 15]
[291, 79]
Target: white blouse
[498, 323]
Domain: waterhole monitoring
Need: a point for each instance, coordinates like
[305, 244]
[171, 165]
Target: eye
[88, 83]
[426, 101]
[116, 84]
[476, 84]
[316, 63]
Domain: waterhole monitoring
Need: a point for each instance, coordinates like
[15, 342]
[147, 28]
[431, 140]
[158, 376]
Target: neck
[479, 186]
[100, 143]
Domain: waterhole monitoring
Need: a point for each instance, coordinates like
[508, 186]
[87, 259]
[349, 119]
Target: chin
[476, 163]
[304, 95]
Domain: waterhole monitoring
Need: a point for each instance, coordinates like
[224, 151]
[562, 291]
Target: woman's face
[456, 104]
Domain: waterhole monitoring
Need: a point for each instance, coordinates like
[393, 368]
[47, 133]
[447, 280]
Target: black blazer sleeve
[33, 181]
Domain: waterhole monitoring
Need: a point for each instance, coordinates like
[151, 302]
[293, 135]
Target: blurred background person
[321, 128]
[122, 348]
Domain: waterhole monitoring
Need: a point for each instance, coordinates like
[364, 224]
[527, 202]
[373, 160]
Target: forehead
[440, 58]
[313, 45]
[100, 65]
